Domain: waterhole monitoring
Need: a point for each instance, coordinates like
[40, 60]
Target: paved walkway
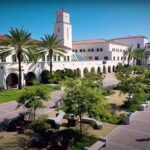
[110, 79]
[135, 136]
[8, 110]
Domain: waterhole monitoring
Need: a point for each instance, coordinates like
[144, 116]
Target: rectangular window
[43, 58]
[3, 59]
[105, 57]
[121, 58]
[97, 49]
[73, 50]
[89, 50]
[54, 58]
[80, 50]
[90, 58]
[113, 58]
[76, 50]
[117, 58]
[58, 58]
[101, 49]
[83, 50]
[68, 58]
[124, 58]
[92, 50]
[96, 58]
[64, 58]
[138, 45]
[48, 57]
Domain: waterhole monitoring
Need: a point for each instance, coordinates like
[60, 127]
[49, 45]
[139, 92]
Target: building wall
[133, 41]
[39, 67]
[105, 50]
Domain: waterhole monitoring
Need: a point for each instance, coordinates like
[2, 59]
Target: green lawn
[14, 94]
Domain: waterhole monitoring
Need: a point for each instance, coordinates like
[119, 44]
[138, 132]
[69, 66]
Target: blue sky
[90, 19]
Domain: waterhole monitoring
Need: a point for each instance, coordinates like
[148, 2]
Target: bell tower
[63, 28]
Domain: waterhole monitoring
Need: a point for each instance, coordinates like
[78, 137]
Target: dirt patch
[14, 141]
[117, 98]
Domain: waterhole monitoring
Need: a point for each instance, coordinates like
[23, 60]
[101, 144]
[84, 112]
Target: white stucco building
[98, 55]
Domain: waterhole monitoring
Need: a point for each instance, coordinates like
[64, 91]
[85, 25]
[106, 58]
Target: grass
[14, 94]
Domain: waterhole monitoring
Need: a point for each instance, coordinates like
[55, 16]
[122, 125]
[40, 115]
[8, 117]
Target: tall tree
[18, 43]
[51, 45]
[128, 53]
[139, 55]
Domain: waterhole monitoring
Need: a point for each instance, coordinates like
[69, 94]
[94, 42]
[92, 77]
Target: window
[89, 50]
[124, 58]
[138, 45]
[105, 57]
[101, 49]
[14, 58]
[76, 50]
[117, 58]
[43, 58]
[54, 58]
[80, 50]
[113, 58]
[67, 33]
[3, 59]
[83, 50]
[121, 58]
[92, 50]
[120, 50]
[96, 58]
[97, 49]
[90, 58]
[73, 50]
[68, 58]
[58, 30]
[64, 58]
[58, 58]
[48, 57]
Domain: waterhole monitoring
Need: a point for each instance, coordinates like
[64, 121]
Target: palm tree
[139, 55]
[128, 53]
[52, 45]
[19, 43]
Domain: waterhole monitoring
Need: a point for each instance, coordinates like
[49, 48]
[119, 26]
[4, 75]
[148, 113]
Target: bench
[143, 106]
[91, 121]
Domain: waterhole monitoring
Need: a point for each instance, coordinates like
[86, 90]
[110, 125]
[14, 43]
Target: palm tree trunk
[51, 64]
[20, 72]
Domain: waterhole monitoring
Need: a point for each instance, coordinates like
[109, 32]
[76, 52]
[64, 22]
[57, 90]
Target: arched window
[48, 57]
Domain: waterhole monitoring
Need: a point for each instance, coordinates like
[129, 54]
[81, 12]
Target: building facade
[83, 56]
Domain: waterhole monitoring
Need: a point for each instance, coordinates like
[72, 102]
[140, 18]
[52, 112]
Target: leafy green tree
[84, 97]
[32, 99]
[19, 43]
[52, 45]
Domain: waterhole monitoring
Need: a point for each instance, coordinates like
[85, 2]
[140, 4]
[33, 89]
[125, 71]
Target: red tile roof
[3, 37]
[130, 37]
[96, 41]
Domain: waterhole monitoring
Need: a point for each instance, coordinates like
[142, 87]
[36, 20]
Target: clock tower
[63, 28]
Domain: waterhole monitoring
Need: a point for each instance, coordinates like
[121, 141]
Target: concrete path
[135, 136]
[8, 110]
[110, 79]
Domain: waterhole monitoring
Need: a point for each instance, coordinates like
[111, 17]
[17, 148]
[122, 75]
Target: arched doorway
[98, 70]
[93, 70]
[113, 68]
[78, 72]
[109, 69]
[12, 81]
[104, 69]
[30, 77]
[85, 71]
